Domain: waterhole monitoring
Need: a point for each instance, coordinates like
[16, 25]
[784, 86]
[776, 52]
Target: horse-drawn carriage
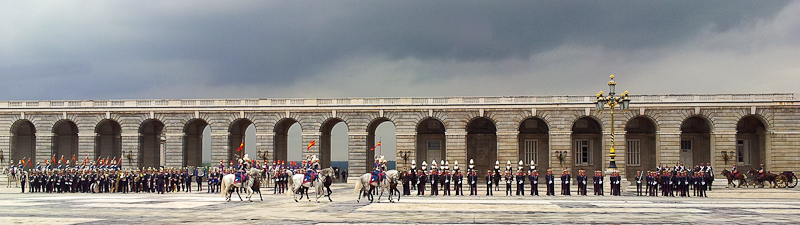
[786, 179]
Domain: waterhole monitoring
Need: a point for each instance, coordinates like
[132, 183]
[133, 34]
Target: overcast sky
[53, 50]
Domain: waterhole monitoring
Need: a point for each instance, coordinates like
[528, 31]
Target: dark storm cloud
[132, 47]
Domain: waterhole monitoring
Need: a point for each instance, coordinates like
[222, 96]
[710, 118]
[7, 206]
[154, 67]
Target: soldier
[412, 175]
[434, 177]
[496, 175]
[446, 177]
[457, 180]
[704, 177]
[489, 178]
[406, 182]
[615, 183]
[533, 178]
[509, 179]
[639, 183]
[23, 178]
[710, 172]
[597, 181]
[422, 181]
[520, 180]
[161, 178]
[581, 178]
[549, 180]
[199, 174]
[565, 179]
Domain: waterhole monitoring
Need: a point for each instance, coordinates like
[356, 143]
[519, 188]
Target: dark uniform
[520, 182]
[639, 184]
[509, 179]
[565, 179]
[457, 183]
[581, 178]
[597, 180]
[489, 178]
[421, 184]
[549, 180]
[533, 177]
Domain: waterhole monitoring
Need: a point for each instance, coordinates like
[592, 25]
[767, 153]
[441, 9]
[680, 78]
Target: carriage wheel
[781, 181]
[793, 183]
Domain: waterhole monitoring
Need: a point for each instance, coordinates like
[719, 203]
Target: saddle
[240, 178]
[311, 176]
[377, 177]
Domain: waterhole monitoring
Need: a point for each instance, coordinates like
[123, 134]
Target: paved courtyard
[724, 206]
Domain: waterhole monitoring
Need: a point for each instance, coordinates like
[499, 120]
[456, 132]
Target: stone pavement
[724, 206]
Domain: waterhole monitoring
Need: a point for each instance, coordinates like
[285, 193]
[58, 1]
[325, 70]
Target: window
[434, 145]
[743, 152]
[686, 144]
[531, 150]
[583, 153]
[634, 152]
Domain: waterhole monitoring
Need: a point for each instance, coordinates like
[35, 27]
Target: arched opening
[65, 140]
[431, 141]
[640, 143]
[751, 150]
[23, 142]
[534, 142]
[108, 140]
[193, 142]
[695, 141]
[482, 144]
[151, 144]
[237, 136]
[587, 145]
[325, 142]
[288, 133]
[382, 130]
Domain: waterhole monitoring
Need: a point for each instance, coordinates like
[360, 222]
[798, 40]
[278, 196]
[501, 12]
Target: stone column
[508, 148]
[406, 143]
[130, 144]
[44, 148]
[307, 138]
[173, 150]
[456, 148]
[86, 148]
[669, 143]
[264, 142]
[722, 140]
[560, 142]
[357, 155]
[219, 147]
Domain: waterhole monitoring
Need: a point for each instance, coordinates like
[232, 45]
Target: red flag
[63, 160]
[30, 162]
[54, 159]
[377, 145]
[45, 161]
[73, 158]
[311, 144]
[240, 147]
[23, 162]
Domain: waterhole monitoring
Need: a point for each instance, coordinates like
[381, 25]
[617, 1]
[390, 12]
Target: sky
[76, 50]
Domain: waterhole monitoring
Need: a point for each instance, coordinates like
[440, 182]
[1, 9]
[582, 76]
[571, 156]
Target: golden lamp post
[612, 100]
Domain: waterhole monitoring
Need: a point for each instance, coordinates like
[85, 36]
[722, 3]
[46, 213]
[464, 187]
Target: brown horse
[768, 177]
[739, 177]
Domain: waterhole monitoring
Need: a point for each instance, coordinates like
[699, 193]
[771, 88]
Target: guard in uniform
[520, 180]
[597, 180]
[549, 180]
[489, 178]
[533, 177]
[639, 183]
[509, 179]
[565, 179]
[581, 178]
[615, 183]
[412, 175]
[458, 178]
[422, 181]
[434, 179]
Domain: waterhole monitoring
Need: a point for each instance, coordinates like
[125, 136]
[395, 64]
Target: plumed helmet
[424, 164]
[520, 162]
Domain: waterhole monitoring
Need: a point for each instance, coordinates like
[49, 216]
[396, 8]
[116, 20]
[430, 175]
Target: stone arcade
[562, 132]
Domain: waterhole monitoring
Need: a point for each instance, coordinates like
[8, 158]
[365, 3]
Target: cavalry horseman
[241, 173]
[380, 168]
[312, 169]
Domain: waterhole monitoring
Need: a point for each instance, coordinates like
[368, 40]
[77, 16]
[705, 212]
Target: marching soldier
[549, 180]
[565, 178]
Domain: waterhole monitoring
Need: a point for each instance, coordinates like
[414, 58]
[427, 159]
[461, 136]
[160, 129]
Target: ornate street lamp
[612, 100]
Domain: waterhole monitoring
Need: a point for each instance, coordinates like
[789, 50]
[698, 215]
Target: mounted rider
[241, 173]
[734, 171]
[312, 169]
[761, 171]
[380, 168]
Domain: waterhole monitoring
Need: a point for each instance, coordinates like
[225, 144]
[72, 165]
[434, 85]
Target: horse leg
[237, 194]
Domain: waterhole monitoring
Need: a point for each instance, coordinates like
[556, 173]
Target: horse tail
[290, 185]
[225, 186]
[358, 187]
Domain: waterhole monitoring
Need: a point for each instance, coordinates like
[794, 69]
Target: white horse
[298, 185]
[228, 184]
[364, 181]
[13, 176]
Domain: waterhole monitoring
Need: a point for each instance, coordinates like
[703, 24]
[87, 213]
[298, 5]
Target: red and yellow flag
[240, 147]
[376, 145]
[311, 144]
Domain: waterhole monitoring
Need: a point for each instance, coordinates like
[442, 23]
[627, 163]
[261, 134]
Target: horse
[228, 184]
[768, 177]
[740, 177]
[324, 180]
[13, 176]
[364, 181]
[496, 181]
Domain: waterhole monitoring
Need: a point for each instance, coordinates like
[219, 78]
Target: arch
[236, 137]
[281, 138]
[23, 141]
[482, 143]
[65, 140]
[695, 141]
[151, 143]
[372, 129]
[751, 138]
[325, 140]
[108, 139]
[193, 142]
[431, 140]
[587, 144]
[640, 145]
[534, 141]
